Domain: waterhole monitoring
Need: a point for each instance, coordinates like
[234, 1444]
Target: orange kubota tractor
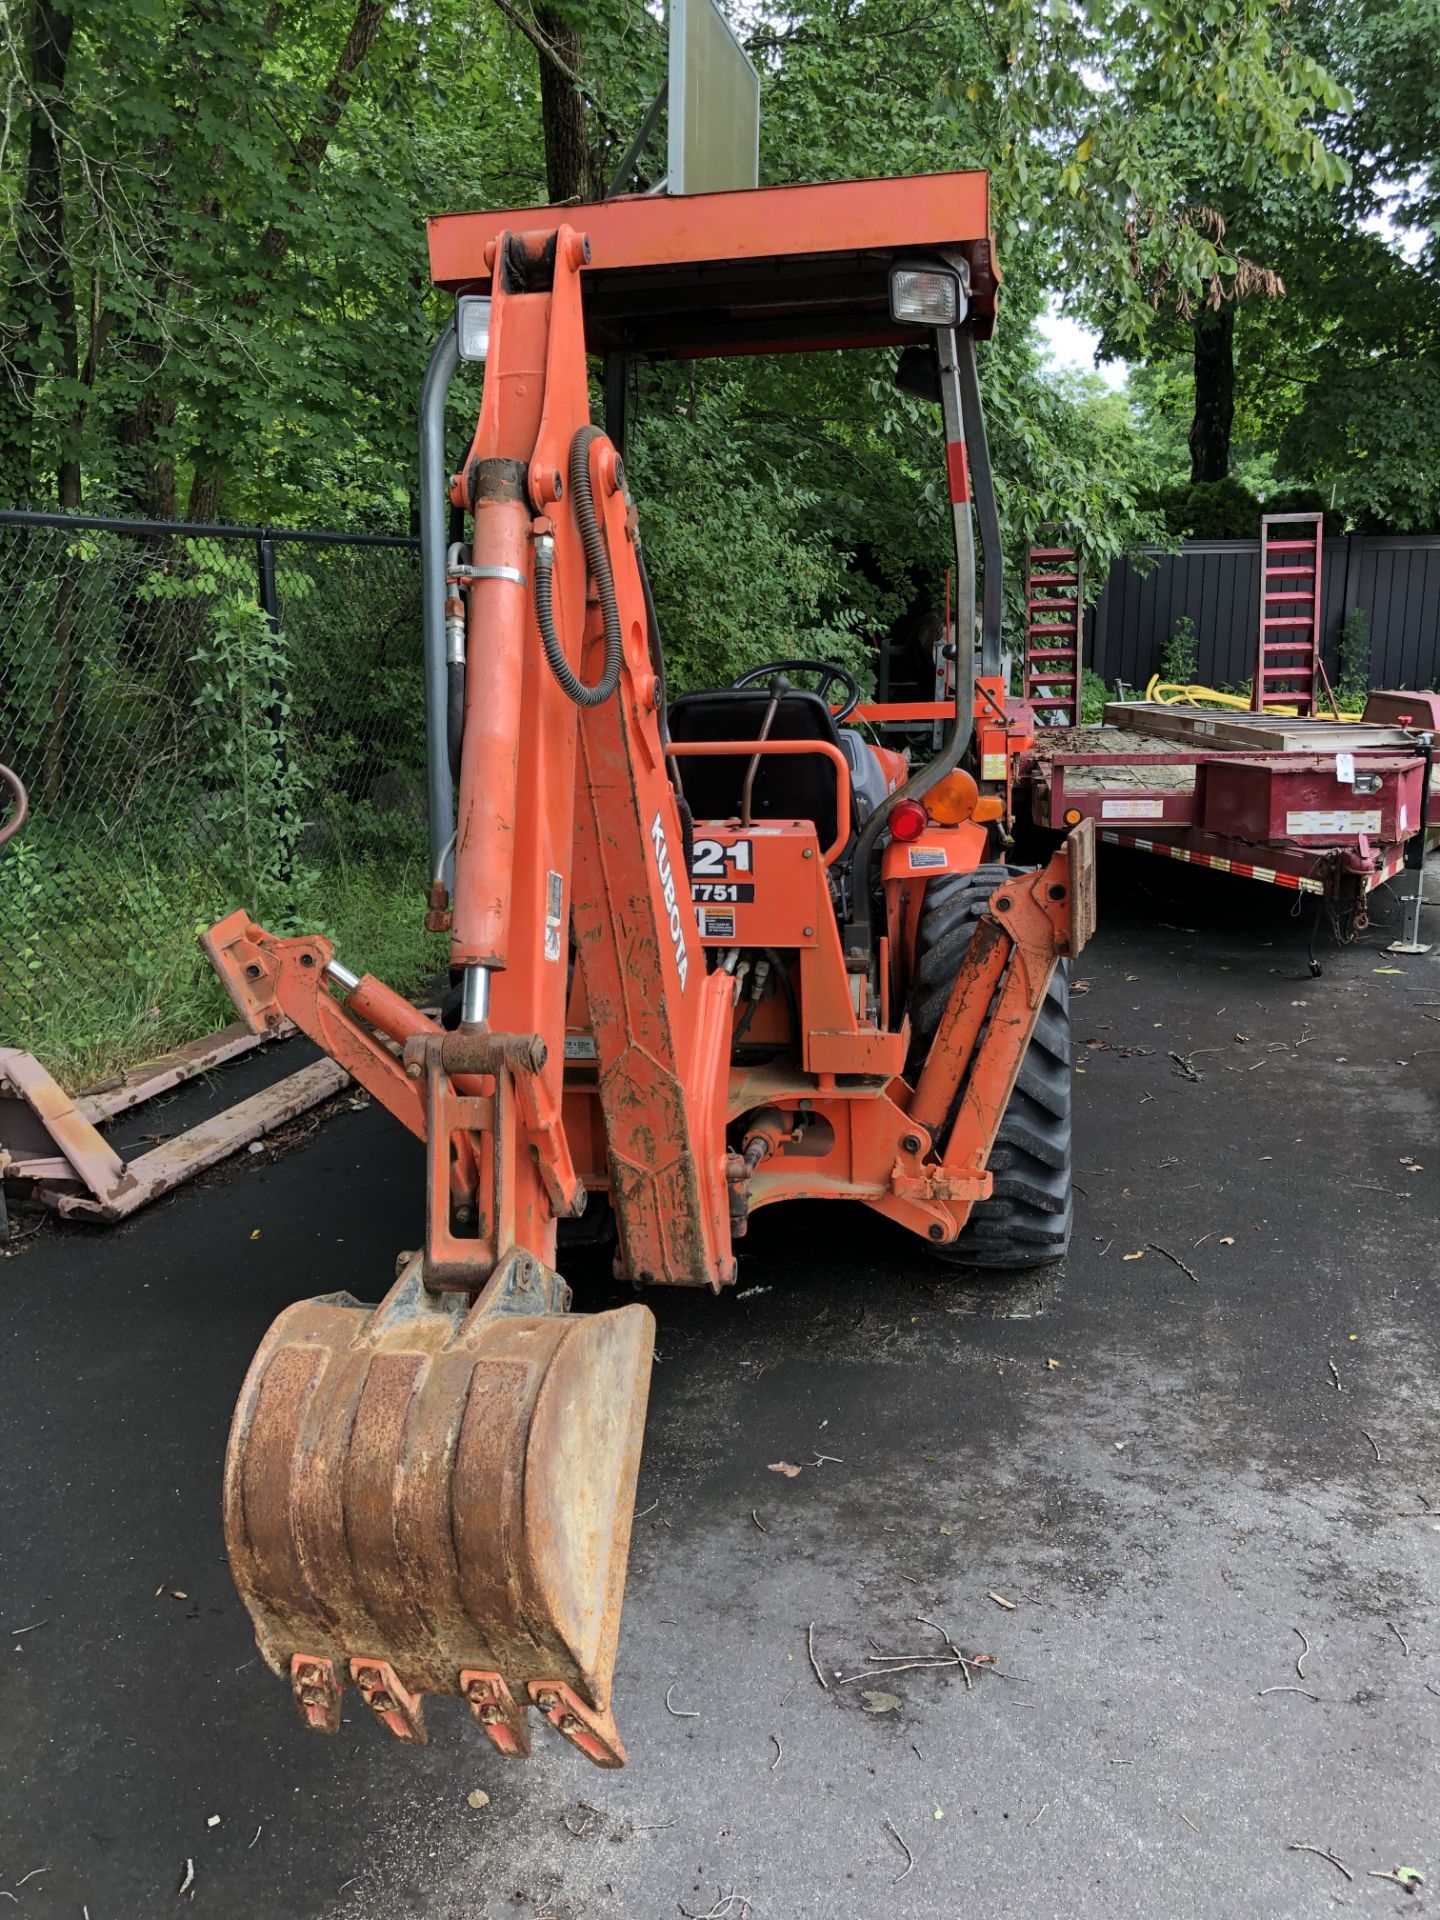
[711, 954]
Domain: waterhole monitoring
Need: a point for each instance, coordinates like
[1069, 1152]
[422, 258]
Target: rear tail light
[908, 820]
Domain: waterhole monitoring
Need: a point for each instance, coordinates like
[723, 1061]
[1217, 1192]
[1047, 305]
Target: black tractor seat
[798, 786]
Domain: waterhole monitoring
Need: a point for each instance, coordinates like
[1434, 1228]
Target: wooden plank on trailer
[1251, 732]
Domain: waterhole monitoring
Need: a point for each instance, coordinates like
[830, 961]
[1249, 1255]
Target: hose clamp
[491, 573]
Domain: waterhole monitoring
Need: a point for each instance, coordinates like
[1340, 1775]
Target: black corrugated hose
[597, 559]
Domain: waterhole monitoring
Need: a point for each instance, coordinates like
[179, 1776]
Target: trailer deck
[1322, 807]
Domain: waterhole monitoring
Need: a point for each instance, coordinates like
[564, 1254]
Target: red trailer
[1322, 807]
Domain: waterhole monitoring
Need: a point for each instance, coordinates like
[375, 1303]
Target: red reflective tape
[958, 468]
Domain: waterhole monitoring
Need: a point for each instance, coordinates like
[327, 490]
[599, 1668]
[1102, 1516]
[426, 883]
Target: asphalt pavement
[1178, 1494]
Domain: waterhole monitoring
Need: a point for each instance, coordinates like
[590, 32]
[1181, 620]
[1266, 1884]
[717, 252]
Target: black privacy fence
[1379, 614]
[205, 718]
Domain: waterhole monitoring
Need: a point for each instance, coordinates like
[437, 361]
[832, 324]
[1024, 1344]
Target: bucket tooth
[502, 1718]
[317, 1689]
[594, 1734]
[399, 1711]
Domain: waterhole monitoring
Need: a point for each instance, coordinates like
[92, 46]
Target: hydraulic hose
[597, 559]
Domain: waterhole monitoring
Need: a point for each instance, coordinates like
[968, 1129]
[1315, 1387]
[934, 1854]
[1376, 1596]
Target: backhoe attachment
[434, 1495]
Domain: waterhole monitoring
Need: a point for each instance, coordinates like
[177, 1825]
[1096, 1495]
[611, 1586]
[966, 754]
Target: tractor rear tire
[1026, 1221]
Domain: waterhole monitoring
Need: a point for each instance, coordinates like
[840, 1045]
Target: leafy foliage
[1180, 660]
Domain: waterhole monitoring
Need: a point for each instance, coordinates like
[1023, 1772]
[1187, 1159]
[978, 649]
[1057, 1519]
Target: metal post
[434, 532]
[270, 607]
[1415, 862]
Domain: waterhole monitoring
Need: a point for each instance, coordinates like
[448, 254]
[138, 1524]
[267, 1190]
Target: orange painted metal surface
[688, 749]
[762, 223]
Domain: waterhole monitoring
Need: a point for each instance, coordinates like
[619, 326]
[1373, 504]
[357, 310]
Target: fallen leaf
[256, 1146]
[1409, 1878]
[1052, 1365]
[1373, 970]
[478, 1798]
[1001, 1601]
[1119, 1446]
[939, 1813]
[213, 1821]
[1228, 1240]
[178, 1593]
[255, 1233]
[783, 1466]
[881, 1702]
[947, 1530]
[1134, 1256]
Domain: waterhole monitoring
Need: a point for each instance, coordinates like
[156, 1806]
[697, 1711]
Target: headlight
[926, 297]
[472, 325]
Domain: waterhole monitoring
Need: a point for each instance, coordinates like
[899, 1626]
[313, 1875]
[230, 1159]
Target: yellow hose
[1169, 695]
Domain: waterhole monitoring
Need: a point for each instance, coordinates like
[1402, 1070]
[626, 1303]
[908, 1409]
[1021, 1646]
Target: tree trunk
[1214, 396]
[147, 473]
[569, 164]
[42, 281]
[209, 478]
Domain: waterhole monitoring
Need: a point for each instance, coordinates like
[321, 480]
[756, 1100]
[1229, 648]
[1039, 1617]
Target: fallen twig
[779, 1752]
[188, 1882]
[258, 1832]
[723, 1909]
[909, 1857]
[1304, 1846]
[963, 1663]
[1308, 1695]
[1186, 1061]
[810, 1645]
[1371, 1438]
[1031, 1822]
[1301, 1658]
[14, 1633]
[1404, 1646]
[1335, 1375]
[31, 1874]
[644, 1510]
[1174, 1258]
[907, 1666]
[758, 1521]
[821, 1458]
[1188, 1821]
[680, 1713]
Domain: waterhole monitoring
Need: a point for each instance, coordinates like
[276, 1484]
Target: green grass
[100, 961]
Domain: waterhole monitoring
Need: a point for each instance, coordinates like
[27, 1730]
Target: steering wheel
[829, 676]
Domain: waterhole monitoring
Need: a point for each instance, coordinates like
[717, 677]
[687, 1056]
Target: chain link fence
[205, 717]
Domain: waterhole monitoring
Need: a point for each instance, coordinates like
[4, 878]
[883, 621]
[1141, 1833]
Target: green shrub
[1352, 677]
[1180, 660]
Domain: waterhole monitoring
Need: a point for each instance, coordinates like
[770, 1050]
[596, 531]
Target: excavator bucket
[432, 1497]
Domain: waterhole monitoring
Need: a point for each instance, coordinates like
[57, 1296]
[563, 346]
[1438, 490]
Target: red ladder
[1054, 628]
[1288, 672]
